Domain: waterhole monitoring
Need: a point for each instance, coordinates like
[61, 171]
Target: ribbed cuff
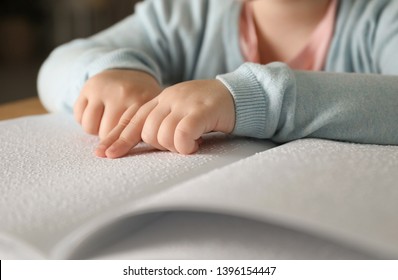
[250, 103]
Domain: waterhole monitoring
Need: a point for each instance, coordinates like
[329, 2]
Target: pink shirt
[311, 57]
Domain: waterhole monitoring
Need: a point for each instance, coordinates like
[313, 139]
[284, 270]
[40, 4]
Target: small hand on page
[106, 96]
[175, 120]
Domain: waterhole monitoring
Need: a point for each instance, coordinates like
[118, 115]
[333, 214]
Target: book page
[346, 193]
[200, 235]
[51, 184]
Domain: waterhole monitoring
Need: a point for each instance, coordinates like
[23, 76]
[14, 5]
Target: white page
[54, 193]
[347, 193]
[189, 235]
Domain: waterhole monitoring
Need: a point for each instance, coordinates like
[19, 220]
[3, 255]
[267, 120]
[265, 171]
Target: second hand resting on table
[173, 120]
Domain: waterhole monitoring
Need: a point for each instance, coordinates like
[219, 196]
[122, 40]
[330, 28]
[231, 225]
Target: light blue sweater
[178, 40]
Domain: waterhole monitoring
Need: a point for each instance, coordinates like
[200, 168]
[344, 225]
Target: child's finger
[92, 117]
[131, 134]
[166, 132]
[188, 132]
[100, 151]
[79, 107]
[151, 126]
[110, 119]
[116, 131]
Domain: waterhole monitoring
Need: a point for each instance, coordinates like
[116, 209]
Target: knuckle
[170, 92]
[90, 87]
[125, 139]
[123, 92]
[124, 122]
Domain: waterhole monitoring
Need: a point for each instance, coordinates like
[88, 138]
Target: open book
[237, 198]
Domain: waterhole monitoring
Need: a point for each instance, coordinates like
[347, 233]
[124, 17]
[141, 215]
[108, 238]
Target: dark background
[30, 29]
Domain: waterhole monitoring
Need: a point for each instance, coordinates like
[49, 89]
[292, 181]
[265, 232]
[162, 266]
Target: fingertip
[117, 150]
[110, 152]
[188, 147]
[100, 151]
[188, 134]
[186, 143]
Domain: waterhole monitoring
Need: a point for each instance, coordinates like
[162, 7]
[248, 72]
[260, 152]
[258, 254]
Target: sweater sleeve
[148, 41]
[384, 39]
[274, 102]
[65, 71]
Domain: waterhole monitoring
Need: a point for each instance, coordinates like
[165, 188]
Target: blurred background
[30, 29]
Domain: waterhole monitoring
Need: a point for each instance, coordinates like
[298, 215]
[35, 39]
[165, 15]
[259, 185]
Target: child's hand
[175, 120]
[106, 96]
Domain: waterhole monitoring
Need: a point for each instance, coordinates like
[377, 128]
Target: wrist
[249, 102]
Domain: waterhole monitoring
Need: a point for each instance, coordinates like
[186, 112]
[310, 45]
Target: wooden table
[24, 107]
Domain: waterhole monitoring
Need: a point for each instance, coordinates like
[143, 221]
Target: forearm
[69, 66]
[274, 102]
